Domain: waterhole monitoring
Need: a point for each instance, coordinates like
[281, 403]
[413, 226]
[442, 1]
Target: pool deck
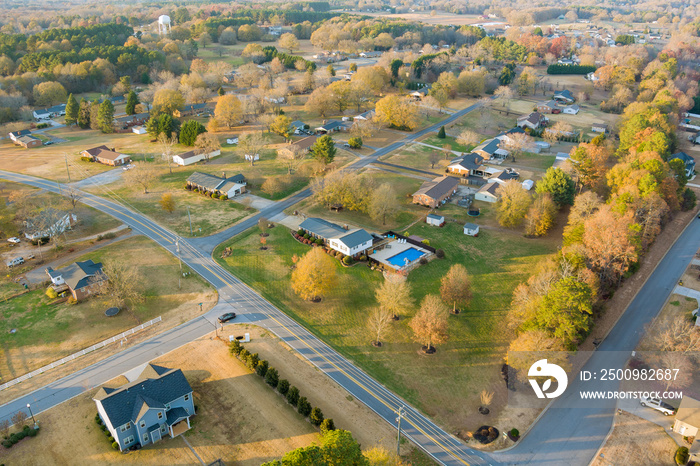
[391, 250]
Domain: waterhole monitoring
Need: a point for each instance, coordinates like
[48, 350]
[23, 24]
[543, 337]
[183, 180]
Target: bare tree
[167, 141]
[516, 143]
[207, 143]
[364, 129]
[433, 158]
[74, 196]
[4, 428]
[377, 323]
[681, 336]
[292, 157]
[394, 295]
[250, 146]
[143, 174]
[468, 138]
[19, 419]
[121, 283]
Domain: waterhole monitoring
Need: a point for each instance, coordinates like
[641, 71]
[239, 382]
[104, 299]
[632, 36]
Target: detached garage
[190, 157]
[471, 229]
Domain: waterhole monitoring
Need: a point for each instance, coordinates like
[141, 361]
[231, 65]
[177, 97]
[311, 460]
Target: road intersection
[567, 433]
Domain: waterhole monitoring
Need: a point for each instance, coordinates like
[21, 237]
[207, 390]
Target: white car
[16, 261]
[654, 403]
[127, 167]
[14, 239]
[232, 141]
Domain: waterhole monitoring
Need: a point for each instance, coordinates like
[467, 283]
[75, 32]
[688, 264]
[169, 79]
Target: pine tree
[72, 110]
[84, 114]
[441, 133]
[324, 149]
[189, 132]
[105, 116]
[221, 91]
[132, 101]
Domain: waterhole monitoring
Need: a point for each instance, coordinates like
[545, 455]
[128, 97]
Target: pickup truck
[654, 403]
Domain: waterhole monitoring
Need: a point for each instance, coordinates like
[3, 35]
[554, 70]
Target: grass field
[445, 385]
[47, 332]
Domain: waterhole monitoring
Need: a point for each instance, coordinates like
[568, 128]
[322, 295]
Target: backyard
[446, 385]
[48, 330]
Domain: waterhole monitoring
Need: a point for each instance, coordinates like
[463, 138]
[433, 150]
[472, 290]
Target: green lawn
[48, 332]
[536, 161]
[449, 140]
[445, 385]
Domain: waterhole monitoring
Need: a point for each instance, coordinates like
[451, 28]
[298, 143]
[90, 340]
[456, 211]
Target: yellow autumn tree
[397, 112]
[314, 275]
[429, 325]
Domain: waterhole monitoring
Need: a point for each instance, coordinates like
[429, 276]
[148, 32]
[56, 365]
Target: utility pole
[65, 156]
[188, 216]
[398, 440]
[179, 278]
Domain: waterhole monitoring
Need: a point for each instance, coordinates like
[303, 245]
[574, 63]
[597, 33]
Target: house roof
[205, 180]
[108, 154]
[354, 238]
[95, 150]
[565, 93]
[175, 414]
[78, 274]
[533, 118]
[20, 133]
[332, 124]
[188, 155]
[684, 157]
[550, 104]
[135, 116]
[490, 147]
[438, 187]
[227, 185]
[469, 161]
[128, 402]
[516, 130]
[599, 125]
[366, 115]
[435, 217]
[237, 178]
[471, 226]
[322, 228]
[191, 107]
[689, 411]
[27, 138]
[490, 188]
[297, 124]
[305, 143]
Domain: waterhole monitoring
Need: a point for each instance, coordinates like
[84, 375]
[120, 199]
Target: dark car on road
[226, 317]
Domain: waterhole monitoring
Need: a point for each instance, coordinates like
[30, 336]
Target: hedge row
[558, 68]
[290, 392]
[12, 439]
[105, 431]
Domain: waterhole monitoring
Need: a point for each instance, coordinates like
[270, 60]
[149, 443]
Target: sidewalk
[652, 415]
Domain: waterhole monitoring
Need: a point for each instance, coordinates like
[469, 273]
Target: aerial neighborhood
[349, 233]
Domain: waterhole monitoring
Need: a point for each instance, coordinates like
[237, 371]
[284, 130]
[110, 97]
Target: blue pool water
[411, 254]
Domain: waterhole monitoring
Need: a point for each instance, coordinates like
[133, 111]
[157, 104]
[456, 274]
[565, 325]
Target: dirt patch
[636, 441]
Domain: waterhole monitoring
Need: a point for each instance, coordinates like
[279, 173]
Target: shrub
[98, 420]
[363, 258]
[682, 455]
[515, 433]
[243, 355]
[261, 368]
[32, 432]
[86, 159]
[441, 133]
[306, 236]
[327, 425]
[423, 261]
[51, 293]
[319, 241]
[303, 406]
[272, 377]
[426, 242]
[689, 199]
[235, 348]
[224, 197]
[293, 395]
[252, 361]
[440, 253]
[355, 142]
[283, 387]
[115, 445]
[110, 235]
[347, 260]
[316, 417]
[300, 232]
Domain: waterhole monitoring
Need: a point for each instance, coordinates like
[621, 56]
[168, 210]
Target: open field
[48, 331]
[636, 441]
[446, 385]
[239, 418]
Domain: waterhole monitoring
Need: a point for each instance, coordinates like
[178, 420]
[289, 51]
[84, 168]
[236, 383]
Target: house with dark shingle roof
[488, 192]
[190, 109]
[332, 126]
[491, 150]
[548, 107]
[218, 185]
[564, 96]
[436, 192]
[158, 403]
[81, 278]
[28, 141]
[467, 164]
[533, 121]
[18, 134]
[349, 242]
[106, 156]
[320, 228]
[687, 160]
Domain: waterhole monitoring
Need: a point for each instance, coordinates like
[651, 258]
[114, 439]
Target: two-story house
[352, 243]
[157, 404]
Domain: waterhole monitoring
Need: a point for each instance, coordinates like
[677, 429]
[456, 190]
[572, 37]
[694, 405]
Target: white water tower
[164, 26]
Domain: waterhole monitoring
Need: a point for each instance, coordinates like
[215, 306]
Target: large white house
[190, 157]
[49, 223]
[352, 243]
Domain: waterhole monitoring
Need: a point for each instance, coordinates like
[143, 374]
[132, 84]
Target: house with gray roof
[533, 121]
[218, 185]
[436, 192]
[564, 96]
[687, 160]
[491, 150]
[158, 403]
[467, 164]
[349, 242]
[332, 126]
[81, 278]
[320, 228]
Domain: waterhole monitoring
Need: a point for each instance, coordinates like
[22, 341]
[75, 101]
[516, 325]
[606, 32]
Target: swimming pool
[399, 260]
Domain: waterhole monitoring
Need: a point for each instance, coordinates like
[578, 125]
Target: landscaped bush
[319, 241]
[303, 406]
[115, 445]
[355, 142]
[17, 436]
[682, 455]
[272, 377]
[283, 387]
[423, 260]
[252, 361]
[306, 236]
[86, 159]
[440, 253]
[426, 242]
[72, 300]
[327, 425]
[363, 258]
[42, 125]
[51, 293]
[300, 232]
[316, 417]
[261, 368]
[235, 348]
[293, 395]
[347, 260]
[243, 355]
[224, 197]
[515, 433]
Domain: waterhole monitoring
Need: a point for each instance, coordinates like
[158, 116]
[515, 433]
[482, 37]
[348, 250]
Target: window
[167, 406]
[129, 440]
[187, 397]
[163, 428]
[160, 415]
[145, 437]
[143, 423]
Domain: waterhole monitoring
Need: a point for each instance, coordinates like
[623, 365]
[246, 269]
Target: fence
[83, 352]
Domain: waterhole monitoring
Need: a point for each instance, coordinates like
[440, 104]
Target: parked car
[48, 143]
[16, 261]
[14, 239]
[127, 167]
[30, 256]
[226, 317]
[346, 145]
[654, 403]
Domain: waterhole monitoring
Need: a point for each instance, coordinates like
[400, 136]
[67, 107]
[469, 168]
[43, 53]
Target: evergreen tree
[84, 114]
[94, 111]
[72, 110]
[189, 132]
[221, 91]
[324, 149]
[559, 184]
[132, 101]
[105, 116]
[441, 134]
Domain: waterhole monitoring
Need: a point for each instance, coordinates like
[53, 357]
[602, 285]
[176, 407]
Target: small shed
[471, 229]
[528, 184]
[436, 220]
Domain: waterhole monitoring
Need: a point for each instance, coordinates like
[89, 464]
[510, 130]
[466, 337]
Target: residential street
[570, 432]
